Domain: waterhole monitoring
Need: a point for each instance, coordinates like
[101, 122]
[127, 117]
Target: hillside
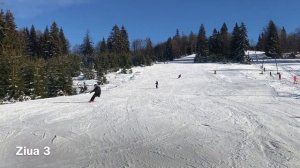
[235, 118]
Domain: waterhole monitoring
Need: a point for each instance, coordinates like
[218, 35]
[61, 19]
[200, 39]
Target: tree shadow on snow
[148, 88]
[288, 95]
[243, 95]
[297, 117]
[69, 102]
[238, 70]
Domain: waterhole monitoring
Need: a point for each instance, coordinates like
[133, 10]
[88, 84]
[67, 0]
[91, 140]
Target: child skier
[97, 93]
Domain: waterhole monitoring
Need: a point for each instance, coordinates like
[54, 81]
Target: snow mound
[256, 54]
[185, 60]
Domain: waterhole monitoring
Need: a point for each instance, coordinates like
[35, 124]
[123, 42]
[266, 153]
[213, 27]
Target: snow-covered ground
[235, 118]
[115, 79]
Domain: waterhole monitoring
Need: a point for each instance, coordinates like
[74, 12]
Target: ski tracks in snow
[229, 119]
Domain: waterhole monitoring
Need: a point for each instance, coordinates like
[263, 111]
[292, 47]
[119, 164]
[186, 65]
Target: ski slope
[235, 118]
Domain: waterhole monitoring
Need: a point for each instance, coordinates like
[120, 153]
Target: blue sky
[157, 19]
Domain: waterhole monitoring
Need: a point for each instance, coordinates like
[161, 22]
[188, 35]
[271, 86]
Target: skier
[295, 79]
[179, 76]
[279, 75]
[84, 87]
[156, 83]
[97, 93]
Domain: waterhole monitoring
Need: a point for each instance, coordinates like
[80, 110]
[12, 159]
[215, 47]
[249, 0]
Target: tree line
[33, 64]
[225, 46]
[107, 55]
[220, 46]
[39, 64]
[276, 42]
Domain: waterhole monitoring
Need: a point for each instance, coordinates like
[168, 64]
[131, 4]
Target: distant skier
[156, 84]
[295, 79]
[97, 93]
[84, 87]
[279, 75]
[179, 76]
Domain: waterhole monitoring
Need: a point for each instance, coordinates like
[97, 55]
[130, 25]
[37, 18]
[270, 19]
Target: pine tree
[22, 77]
[13, 49]
[45, 44]
[101, 53]
[293, 41]
[176, 45]
[177, 35]
[65, 76]
[104, 56]
[40, 80]
[143, 52]
[114, 47]
[272, 41]
[168, 52]
[137, 51]
[74, 64]
[202, 46]
[149, 52]
[33, 42]
[59, 79]
[283, 40]
[184, 44]
[125, 60]
[159, 51]
[118, 47]
[225, 42]
[27, 71]
[192, 45]
[4, 66]
[5, 81]
[261, 42]
[87, 50]
[64, 44]
[25, 36]
[55, 41]
[215, 46]
[2, 34]
[234, 42]
[124, 40]
[239, 44]
[40, 44]
[103, 46]
[244, 44]
[101, 62]
[114, 40]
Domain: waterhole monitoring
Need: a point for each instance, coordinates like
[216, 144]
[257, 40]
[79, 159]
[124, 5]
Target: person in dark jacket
[97, 93]
[156, 84]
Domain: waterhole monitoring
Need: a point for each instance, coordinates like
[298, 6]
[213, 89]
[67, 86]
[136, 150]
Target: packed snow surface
[234, 118]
